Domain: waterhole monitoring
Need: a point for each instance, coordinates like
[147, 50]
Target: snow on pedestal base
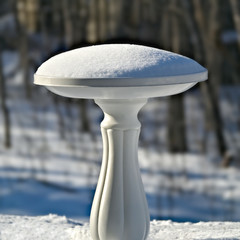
[52, 227]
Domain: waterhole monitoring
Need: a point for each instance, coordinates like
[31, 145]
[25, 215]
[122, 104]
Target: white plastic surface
[120, 92]
[119, 209]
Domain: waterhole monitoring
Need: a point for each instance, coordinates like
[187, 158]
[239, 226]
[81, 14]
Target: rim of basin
[120, 81]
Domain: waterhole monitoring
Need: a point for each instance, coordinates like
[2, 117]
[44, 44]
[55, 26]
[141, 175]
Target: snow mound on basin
[118, 61]
[52, 227]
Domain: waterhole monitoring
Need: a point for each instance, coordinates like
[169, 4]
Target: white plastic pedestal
[119, 210]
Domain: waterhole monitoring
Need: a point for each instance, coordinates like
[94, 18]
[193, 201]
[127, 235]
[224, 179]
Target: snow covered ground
[52, 227]
[53, 168]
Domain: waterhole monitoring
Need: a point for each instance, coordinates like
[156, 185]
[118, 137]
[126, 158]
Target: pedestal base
[119, 210]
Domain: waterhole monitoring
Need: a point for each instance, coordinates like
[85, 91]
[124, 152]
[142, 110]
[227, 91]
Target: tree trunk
[208, 29]
[176, 125]
[235, 5]
[93, 22]
[23, 50]
[135, 18]
[176, 119]
[67, 22]
[83, 18]
[103, 20]
[56, 15]
[5, 112]
[116, 19]
[25, 63]
[60, 116]
[85, 127]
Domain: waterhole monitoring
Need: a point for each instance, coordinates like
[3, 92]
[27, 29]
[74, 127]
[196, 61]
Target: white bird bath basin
[120, 78]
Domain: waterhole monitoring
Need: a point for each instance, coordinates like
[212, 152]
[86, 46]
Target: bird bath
[120, 78]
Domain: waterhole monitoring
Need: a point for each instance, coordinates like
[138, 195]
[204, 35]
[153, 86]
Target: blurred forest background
[44, 138]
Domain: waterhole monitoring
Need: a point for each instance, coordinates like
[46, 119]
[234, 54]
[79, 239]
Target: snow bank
[117, 61]
[52, 227]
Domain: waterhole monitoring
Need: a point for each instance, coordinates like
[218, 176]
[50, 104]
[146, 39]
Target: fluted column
[119, 210]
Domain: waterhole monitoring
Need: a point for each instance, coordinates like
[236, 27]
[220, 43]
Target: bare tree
[5, 112]
[176, 117]
[103, 19]
[135, 18]
[57, 20]
[93, 22]
[148, 20]
[235, 5]
[209, 27]
[67, 22]
[23, 46]
[116, 18]
[85, 126]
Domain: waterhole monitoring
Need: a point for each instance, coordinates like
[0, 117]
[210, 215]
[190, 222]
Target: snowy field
[53, 168]
[52, 227]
